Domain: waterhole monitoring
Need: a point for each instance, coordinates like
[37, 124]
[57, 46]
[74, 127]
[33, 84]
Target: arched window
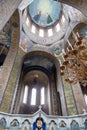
[36, 92]
[41, 33]
[25, 95]
[27, 21]
[58, 27]
[33, 29]
[63, 19]
[33, 96]
[42, 96]
[50, 32]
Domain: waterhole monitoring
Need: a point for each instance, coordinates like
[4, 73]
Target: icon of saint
[37, 16]
[49, 19]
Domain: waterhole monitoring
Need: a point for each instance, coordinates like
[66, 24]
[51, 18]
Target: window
[41, 33]
[25, 12]
[27, 21]
[42, 96]
[63, 19]
[50, 32]
[33, 97]
[86, 34]
[85, 97]
[25, 94]
[58, 27]
[33, 29]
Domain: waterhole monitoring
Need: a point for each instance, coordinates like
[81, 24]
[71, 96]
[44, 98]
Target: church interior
[43, 65]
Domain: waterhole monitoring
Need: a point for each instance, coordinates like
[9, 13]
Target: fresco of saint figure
[49, 19]
[37, 16]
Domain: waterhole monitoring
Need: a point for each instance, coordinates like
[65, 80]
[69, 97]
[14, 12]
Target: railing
[41, 121]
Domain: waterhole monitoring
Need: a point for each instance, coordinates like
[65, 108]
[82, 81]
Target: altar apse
[41, 121]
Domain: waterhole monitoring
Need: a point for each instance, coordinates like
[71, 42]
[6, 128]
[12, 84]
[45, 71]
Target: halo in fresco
[44, 12]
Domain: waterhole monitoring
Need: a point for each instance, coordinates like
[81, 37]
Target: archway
[34, 64]
[35, 89]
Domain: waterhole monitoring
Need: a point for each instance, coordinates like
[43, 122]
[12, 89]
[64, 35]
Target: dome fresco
[44, 12]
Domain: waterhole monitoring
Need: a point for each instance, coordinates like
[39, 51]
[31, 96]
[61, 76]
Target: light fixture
[73, 64]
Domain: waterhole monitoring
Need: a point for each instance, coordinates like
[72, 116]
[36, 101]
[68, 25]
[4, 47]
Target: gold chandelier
[73, 64]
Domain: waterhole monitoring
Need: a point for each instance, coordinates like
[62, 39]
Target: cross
[40, 110]
[40, 107]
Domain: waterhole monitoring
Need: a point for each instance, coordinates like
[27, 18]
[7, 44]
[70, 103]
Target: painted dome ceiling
[44, 13]
[47, 23]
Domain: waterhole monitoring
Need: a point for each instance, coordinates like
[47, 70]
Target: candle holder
[74, 62]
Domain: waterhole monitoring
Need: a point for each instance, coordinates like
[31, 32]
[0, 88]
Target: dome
[43, 28]
[47, 23]
[44, 13]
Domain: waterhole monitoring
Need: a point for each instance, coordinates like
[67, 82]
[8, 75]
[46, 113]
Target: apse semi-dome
[44, 12]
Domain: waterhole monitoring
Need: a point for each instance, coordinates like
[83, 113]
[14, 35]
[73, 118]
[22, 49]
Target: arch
[8, 64]
[74, 125]
[52, 125]
[52, 121]
[76, 28]
[85, 124]
[79, 27]
[62, 124]
[52, 60]
[3, 123]
[26, 125]
[78, 31]
[5, 41]
[26, 121]
[14, 123]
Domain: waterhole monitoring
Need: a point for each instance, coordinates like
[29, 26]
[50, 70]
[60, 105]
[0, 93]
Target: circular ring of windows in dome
[45, 13]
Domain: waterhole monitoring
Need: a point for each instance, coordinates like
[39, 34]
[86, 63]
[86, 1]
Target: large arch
[9, 61]
[59, 86]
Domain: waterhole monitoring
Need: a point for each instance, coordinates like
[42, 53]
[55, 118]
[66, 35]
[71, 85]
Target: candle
[75, 36]
[78, 34]
[63, 57]
[63, 51]
[69, 44]
[67, 49]
[60, 62]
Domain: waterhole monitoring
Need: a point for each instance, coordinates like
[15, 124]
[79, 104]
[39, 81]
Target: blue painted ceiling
[45, 12]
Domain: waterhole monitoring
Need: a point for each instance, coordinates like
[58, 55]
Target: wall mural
[44, 12]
